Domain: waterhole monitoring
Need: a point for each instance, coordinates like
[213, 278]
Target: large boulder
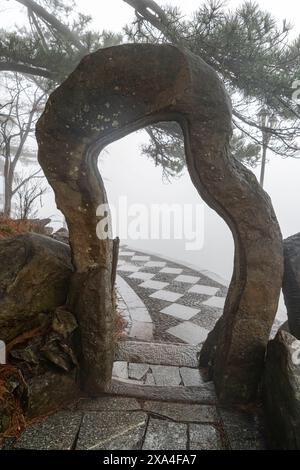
[35, 272]
[281, 391]
[291, 282]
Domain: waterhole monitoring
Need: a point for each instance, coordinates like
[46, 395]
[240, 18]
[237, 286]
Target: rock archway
[114, 92]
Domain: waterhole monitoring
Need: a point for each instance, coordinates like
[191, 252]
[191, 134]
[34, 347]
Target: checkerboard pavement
[183, 304]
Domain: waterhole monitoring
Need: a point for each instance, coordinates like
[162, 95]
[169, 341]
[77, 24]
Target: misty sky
[128, 173]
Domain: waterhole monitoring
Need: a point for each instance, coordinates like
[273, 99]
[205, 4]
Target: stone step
[179, 355]
[204, 394]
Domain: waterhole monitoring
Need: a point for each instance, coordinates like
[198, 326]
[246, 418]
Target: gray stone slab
[150, 379]
[204, 437]
[180, 355]
[58, 432]
[140, 314]
[120, 370]
[126, 253]
[165, 435]
[205, 394]
[166, 375]
[141, 330]
[189, 332]
[119, 430]
[183, 412]
[190, 376]
[180, 311]
[108, 404]
[138, 371]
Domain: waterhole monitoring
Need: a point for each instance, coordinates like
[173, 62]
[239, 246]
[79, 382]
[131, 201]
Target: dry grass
[13, 405]
[10, 227]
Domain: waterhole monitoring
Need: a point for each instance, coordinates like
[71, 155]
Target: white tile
[121, 262]
[180, 311]
[204, 290]
[217, 302]
[126, 253]
[189, 332]
[187, 279]
[166, 295]
[156, 285]
[155, 264]
[120, 370]
[130, 268]
[140, 258]
[141, 275]
[171, 271]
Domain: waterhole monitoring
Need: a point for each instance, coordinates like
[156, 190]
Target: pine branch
[157, 18]
[52, 20]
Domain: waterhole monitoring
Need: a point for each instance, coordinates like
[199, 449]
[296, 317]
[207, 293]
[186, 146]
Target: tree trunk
[8, 190]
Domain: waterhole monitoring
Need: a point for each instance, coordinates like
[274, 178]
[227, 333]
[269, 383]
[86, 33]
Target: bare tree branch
[11, 66]
[36, 174]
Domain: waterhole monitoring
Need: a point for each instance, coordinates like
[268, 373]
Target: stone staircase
[178, 410]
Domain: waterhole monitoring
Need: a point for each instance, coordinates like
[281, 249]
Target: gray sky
[127, 173]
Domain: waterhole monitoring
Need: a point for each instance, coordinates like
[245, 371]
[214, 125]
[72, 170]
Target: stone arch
[112, 93]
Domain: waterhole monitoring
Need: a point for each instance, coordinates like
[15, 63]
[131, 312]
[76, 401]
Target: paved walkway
[159, 399]
[166, 301]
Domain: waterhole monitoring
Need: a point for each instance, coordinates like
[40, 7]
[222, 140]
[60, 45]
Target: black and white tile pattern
[180, 301]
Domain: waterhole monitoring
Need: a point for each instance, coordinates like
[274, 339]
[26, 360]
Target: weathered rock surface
[281, 390]
[13, 400]
[49, 364]
[291, 282]
[34, 277]
[114, 92]
[62, 235]
[48, 392]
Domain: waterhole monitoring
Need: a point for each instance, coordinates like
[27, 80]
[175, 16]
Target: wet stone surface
[111, 431]
[58, 432]
[159, 399]
[165, 435]
[204, 437]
